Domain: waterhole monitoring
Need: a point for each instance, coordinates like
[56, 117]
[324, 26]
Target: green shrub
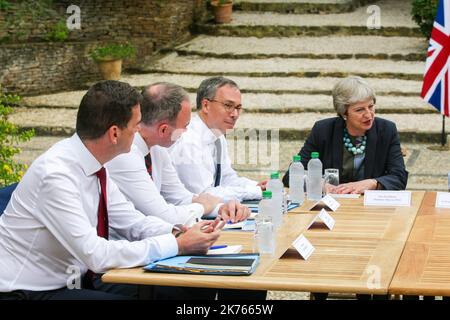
[10, 136]
[59, 32]
[113, 51]
[424, 13]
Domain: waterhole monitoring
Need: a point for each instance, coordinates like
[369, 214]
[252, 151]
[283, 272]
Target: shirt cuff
[215, 212]
[168, 247]
[253, 192]
[196, 211]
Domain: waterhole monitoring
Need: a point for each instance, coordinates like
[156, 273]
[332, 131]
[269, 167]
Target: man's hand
[356, 187]
[263, 184]
[208, 201]
[234, 211]
[199, 238]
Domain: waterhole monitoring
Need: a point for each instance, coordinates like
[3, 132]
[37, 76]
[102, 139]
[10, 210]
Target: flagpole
[443, 137]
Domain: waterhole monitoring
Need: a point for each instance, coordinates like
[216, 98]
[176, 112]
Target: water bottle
[296, 180]
[265, 205]
[276, 186]
[314, 177]
[448, 182]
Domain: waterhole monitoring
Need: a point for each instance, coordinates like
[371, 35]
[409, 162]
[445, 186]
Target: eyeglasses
[229, 107]
[364, 109]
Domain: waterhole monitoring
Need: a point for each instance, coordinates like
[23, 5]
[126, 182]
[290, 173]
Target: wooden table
[424, 267]
[365, 240]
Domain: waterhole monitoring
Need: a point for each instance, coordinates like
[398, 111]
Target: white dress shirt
[193, 156]
[149, 194]
[49, 226]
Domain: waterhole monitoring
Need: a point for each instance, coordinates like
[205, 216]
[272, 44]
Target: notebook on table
[220, 264]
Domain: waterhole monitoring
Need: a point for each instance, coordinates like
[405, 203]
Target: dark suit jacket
[383, 160]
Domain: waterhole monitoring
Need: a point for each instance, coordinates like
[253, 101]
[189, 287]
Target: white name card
[303, 246]
[325, 217]
[387, 198]
[327, 202]
[443, 200]
[330, 202]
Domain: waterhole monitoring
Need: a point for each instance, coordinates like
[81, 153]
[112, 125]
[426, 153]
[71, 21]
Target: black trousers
[106, 291]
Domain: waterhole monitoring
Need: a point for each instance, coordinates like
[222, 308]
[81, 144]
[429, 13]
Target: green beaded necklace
[349, 145]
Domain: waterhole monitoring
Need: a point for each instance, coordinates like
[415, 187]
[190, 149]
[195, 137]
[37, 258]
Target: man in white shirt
[166, 112]
[200, 155]
[55, 227]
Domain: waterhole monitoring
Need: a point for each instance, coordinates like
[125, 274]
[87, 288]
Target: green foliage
[4, 4]
[24, 16]
[223, 2]
[60, 32]
[424, 12]
[113, 51]
[10, 136]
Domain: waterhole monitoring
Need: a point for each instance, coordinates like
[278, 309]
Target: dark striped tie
[148, 163]
[218, 173]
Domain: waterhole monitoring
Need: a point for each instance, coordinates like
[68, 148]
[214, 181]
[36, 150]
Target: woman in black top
[365, 149]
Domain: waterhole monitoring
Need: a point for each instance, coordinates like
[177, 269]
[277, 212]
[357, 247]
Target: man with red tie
[56, 226]
[146, 176]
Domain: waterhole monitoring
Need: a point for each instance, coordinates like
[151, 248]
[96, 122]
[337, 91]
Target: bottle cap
[314, 155]
[275, 175]
[297, 158]
[267, 194]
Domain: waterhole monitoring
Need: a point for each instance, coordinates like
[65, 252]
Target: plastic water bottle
[265, 205]
[314, 177]
[276, 186]
[296, 180]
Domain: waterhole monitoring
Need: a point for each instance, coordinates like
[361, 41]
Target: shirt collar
[207, 135]
[88, 162]
[140, 143]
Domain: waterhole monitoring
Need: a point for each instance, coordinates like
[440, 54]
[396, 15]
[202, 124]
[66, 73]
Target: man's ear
[113, 134]
[205, 105]
[162, 129]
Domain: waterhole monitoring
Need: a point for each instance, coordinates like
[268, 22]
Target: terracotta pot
[222, 12]
[111, 69]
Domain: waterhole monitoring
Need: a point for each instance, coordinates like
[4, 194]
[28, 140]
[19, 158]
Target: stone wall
[30, 64]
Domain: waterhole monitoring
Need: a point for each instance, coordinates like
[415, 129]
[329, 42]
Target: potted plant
[109, 58]
[222, 10]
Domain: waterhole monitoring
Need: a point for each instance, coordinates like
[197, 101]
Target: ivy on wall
[21, 18]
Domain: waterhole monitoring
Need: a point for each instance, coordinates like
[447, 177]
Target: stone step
[282, 85]
[412, 127]
[255, 102]
[326, 47]
[427, 168]
[298, 6]
[275, 94]
[395, 20]
[286, 67]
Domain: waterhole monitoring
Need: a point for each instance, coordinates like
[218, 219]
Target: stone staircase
[286, 56]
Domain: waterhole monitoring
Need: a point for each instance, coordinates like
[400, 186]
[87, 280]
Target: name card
[303, 246]
[327, 202]
[443, 200]
[325, 217]
[387, 198]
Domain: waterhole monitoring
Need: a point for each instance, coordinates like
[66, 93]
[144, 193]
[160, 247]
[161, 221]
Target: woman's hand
[356, 187]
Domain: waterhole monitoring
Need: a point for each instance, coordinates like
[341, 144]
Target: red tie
[148, 163]
[102, 224]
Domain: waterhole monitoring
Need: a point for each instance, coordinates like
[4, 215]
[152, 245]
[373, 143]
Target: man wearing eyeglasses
[200, 156]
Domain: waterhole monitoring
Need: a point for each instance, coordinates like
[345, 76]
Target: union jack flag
[436, 89]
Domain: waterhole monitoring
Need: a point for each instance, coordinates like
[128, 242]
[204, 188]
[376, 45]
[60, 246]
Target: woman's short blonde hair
[351, 90]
